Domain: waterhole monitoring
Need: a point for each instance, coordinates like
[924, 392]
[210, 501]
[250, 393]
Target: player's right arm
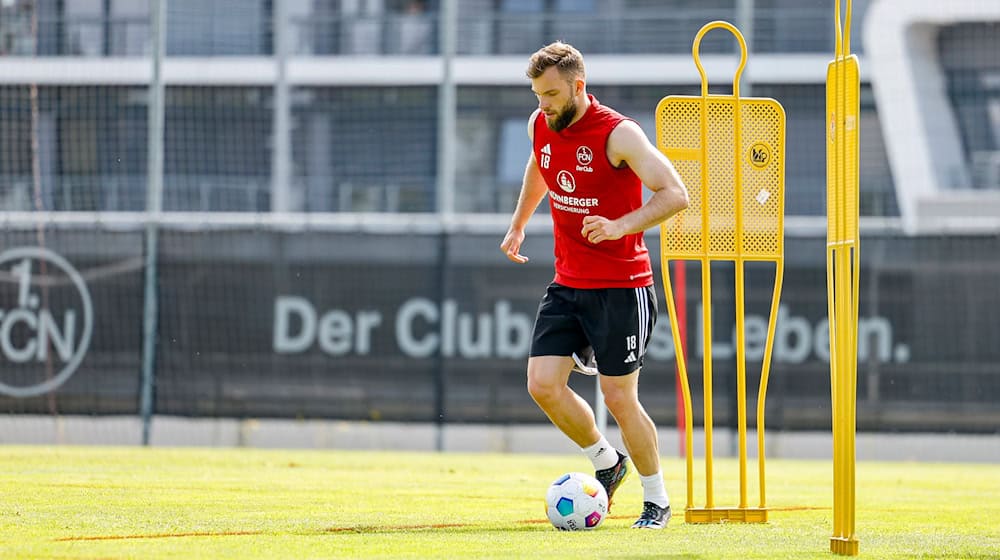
[533, 190]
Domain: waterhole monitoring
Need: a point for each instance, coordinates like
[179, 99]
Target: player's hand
[599, 228]
[511, 245]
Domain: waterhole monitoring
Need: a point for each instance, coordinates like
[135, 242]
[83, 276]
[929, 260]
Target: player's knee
[543, 390]
[618, 398]
[616, 401]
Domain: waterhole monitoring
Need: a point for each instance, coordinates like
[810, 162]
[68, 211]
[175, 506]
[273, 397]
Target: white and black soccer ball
[576, 502]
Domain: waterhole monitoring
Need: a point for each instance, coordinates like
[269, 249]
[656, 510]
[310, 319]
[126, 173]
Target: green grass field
[90, 502]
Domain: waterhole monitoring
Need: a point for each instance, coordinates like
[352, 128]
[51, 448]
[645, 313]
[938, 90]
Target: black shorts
[615, 322]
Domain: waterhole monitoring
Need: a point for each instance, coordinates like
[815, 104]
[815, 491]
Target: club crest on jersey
[584, 155]
[566, 181]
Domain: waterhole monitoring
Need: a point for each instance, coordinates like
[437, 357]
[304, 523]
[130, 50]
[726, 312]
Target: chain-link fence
[302, 267]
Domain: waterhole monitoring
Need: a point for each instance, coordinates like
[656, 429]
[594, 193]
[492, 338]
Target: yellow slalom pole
[838, 294]
[843, 274]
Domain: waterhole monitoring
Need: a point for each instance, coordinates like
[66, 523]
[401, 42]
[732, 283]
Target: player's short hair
[563, 56]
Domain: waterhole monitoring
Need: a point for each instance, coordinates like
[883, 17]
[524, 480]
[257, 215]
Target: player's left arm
[628, 144]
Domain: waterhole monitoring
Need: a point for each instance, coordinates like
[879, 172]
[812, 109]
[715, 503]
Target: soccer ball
[576, 502]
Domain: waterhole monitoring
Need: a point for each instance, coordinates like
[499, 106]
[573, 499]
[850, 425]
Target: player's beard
[562, 119]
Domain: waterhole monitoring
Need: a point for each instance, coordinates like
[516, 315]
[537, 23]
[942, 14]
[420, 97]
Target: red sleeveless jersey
[583, 182]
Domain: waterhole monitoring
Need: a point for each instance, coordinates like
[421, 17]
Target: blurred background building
[358, 66]
[363, 78]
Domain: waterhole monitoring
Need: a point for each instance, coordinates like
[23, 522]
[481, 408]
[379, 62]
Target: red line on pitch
[388, 528]
[160, 536]
[384, 528]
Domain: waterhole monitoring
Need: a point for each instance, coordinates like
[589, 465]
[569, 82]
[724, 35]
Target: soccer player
[597, 314]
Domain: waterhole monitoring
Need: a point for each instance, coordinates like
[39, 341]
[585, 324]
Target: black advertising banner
[436, 327]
